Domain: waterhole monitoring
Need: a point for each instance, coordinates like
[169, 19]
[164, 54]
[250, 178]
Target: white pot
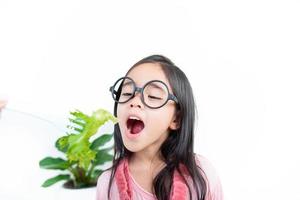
[60, 193]
[76, 194]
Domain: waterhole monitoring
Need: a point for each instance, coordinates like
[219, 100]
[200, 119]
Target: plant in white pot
[79, 168]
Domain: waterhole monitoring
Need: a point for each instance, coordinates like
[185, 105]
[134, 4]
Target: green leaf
[100, 141]
[79, 151]
[55, 179]
[108, 148]
[78, 122]
[96, 173]
[54, 163]
[76, 129]
[80, 116]
[78, 144]
[102, 157]
[62, 144]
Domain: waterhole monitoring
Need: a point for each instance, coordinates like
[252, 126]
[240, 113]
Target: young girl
[154, 138]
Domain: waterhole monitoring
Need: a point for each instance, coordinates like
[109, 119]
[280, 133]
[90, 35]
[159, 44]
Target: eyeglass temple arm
[111, 89]
[172, 97]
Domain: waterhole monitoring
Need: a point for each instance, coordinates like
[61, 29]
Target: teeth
[133, 117]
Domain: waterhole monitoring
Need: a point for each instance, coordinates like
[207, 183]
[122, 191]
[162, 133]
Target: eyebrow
[156, 86]
[127, 83]
[152, 83]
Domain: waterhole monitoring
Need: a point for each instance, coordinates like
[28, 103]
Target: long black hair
[178, 147]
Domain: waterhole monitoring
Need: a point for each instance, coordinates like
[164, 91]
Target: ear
[175, 124]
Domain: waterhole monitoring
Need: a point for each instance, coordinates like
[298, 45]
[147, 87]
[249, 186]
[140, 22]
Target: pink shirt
[214, 185]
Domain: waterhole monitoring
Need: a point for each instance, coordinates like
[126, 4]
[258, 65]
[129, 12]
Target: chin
[132, 147]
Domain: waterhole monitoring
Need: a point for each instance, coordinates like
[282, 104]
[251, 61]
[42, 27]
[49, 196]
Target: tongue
[137, 127]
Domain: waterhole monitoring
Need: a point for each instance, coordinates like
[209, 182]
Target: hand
[2, 104]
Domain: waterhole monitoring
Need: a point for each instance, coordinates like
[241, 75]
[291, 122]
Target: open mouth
[135, 125]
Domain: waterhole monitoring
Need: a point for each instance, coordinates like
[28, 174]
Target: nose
[136, 101]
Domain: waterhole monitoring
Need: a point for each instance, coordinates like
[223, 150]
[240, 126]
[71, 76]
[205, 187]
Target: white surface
[242, 58]
[50, 194]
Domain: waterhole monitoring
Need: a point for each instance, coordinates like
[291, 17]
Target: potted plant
[82, 156]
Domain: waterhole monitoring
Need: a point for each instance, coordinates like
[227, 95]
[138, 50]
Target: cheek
[121, 111]
[160, 121]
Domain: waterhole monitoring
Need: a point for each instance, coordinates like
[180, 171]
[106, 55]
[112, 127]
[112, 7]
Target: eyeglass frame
[141, 90]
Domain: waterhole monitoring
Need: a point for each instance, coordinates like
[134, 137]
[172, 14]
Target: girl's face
[157, 122]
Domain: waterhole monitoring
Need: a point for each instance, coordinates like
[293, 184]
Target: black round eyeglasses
[155, 93]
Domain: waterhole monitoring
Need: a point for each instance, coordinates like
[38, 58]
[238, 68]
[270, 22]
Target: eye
[126, 94]
[154, 97]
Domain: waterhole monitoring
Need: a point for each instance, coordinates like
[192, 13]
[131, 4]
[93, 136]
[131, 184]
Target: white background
[241, 57]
